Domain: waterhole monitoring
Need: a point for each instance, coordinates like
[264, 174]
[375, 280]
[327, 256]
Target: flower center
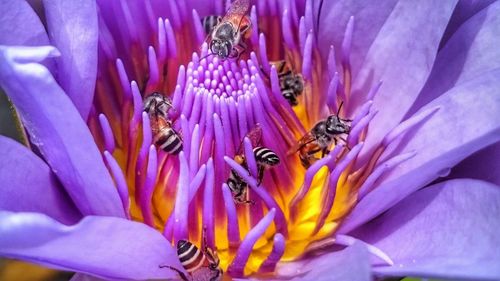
[216, 105]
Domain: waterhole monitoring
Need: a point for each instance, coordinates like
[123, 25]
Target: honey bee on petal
[264, 157]
[320, 138]
[291, 84]
[227, 37]
[201, 264]
[164, 135]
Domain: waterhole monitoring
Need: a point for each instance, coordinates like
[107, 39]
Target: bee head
[221, 47]
[335, 126]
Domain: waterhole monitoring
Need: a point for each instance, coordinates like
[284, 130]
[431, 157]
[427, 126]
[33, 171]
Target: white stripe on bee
[185, 253]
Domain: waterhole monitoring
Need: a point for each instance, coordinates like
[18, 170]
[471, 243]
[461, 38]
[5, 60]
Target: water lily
[410, 192]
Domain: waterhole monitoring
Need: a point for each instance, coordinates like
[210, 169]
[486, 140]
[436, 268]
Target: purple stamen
[381, 169]
[373, 91]
[331, 96]
[171, 43]
[346, 43]
[250, 157]
[154, 75]
[138, 106]
[269, 265]
[233, 231]
[162, 41]
[362, 112]
[261, 191]
[308, 15]
[188, 100]
[302, 35]
[346, 240]
[287, 30]
[332, 185]
[107, 132]
[209, 130]
[148, 188]
[355, 134]
[208, 204]
[186, 134]
[195, 112]
[195, 148]
[332, 64]
[242, 120]
[125, 86]
[128, 29]
[408, 124]
[181, 201]
[143, 151]
[120, 181]
[238, 265]
[263, 53]
[174, 14]
[253, 19]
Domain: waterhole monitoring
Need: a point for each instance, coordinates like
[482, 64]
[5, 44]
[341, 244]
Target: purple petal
[352, 263]
[20, 25]
[73, 30]
[471, 51]
[28, 185]
[369, 17]
[449, 136]
[481, 165]
[402, 61]
[84, 277]
[57, 129]
[105, 247]
[449, 230]
[464, 10]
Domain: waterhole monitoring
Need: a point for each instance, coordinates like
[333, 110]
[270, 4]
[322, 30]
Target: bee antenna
[338, 111]
[207, 55]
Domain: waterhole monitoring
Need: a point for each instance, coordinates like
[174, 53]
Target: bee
[264, 157]
[226, 38]
[157, 104]
[291, 84]
[165, 136]
[321, 137]
[200, 264]
[209, 22]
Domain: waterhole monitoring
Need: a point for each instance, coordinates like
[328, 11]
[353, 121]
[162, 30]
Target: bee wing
[307, 138]
[238, 8]
[255, 136]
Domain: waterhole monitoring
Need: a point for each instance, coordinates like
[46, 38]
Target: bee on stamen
[164, 135]
[264, 157]
[320, 138]
[226, 39]
[291, 84]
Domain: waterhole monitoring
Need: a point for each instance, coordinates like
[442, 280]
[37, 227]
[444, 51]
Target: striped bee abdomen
[169, 141]
[266, 156]
[190, 256]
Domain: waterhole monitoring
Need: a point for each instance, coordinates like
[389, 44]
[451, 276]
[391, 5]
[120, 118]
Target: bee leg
[181, 274]
[324, 152]
[261, 175]
[346, 144]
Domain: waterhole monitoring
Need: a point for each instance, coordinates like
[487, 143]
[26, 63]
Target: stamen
[269, 265]
[162, 42]
[381, 169]
[233, 230]
[238, 265]
[308, 15]
[250, 157]
[171, 42]
[154, 75]
[261, 191]
[287, 30]
[174, 14]
[354, 135]
[120, 181]
[332, 64]
[208, 204]
[182, 201]
[331, 96]
[146, 193]
[107, 132]
[346, 240]
[307, 57]
[263, 53]
[255, 26]
[198, 28]
[195, 148]
[333, 183]
[302, 35]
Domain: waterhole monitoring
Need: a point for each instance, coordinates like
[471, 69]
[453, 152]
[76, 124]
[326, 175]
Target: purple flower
[410, 191]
